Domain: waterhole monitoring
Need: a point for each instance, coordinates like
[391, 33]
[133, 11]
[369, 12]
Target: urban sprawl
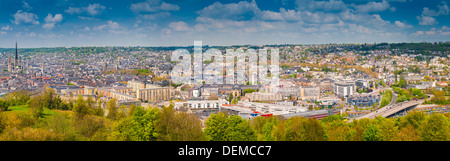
[354, 80]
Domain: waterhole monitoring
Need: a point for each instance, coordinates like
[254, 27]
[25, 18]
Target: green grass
[18, 108]
[24, 109]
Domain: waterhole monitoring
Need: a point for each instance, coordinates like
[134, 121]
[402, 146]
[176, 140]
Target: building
[258, 96]
[362, 83]
[9, 64]
[309, 92]
[136, 85]
[121, 96]
[290, 91]
[414, 79]
[154, 94]
[364, 100]
[344, 89]
[205, 104]
[16, 61]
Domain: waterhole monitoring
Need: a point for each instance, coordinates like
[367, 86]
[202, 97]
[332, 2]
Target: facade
[344, 89]
[121, 96]
[124, 90]
[310, 92]
[290, 91]
[362, 84]
[414, 79]
[205, 104]
[364, 100]
[257, 96]
[154, 94]
[136, 85]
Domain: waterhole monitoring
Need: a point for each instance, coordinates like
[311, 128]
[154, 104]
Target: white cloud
[26, 6]
[53, 19]
[427, 17]
[402, 25]
[48, 26]
[426, 20]
[442, 10]
[443, 31]
[242, 10]
[50, 20]
[112, 27]
[21, 17]
[73, 10]
[283, 15]
[417, 33]
[154, 16]
[94, 9]
[331, 5]
[179, 26]
[91, 9]
[6, 28]
[373, 7]
[153, 6]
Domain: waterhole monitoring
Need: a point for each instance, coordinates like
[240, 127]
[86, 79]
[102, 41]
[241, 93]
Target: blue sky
[64, 23]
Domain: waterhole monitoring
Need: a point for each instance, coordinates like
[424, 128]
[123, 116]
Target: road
[390, 109]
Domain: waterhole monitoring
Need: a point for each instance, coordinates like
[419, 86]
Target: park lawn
[24, 109]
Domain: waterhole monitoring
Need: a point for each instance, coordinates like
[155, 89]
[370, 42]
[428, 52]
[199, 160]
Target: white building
[344, 89]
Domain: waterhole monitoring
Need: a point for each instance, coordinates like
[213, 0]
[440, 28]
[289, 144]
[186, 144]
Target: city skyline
[49, 23]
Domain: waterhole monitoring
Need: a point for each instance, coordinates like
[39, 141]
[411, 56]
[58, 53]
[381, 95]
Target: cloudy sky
[66, 23]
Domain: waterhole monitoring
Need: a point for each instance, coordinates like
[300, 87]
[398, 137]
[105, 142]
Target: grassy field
[24, 109]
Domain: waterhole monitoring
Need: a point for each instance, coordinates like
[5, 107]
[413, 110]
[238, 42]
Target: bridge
[391, 110]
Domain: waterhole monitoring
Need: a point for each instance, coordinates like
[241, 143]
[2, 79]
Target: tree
[279, 132]
[50, 100]
[436, 128]
[121, 112]
[408, 133]
[179, 126]
[165, 122]
[294, 129]
[36, 106]
[340, 133]
[314, 131]
[98, 111]
[131, 109]
[268, 128]
[145, 122]
[372, 133]
[413, 118]
[216, 125]
[187, 127]
[141, 126]
[239, 129]
[62, 123]
[3, 105]
[439, 98]
[221, 127]
[89, 126]
[388, 130]
[230, 98]
[402, 82]
[112, 109]
[90, 102]
[80, 107]
[17, 98]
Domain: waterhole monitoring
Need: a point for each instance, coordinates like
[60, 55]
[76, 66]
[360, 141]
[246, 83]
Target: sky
[78, 23]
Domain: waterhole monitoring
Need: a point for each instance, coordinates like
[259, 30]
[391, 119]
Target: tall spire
[16, 61]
